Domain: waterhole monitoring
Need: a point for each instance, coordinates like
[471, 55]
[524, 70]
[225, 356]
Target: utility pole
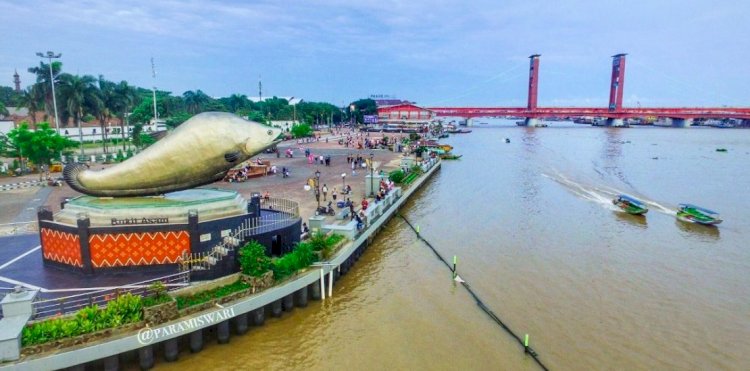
[153, 74]
[50, 55]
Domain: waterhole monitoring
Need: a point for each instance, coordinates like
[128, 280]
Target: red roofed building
[405, 113]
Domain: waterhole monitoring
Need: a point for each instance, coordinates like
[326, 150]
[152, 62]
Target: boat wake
[603, 194]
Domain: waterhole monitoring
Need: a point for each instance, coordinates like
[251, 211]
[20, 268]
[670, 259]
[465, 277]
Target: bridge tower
[533, 81]
[533, 86]
[617, 85]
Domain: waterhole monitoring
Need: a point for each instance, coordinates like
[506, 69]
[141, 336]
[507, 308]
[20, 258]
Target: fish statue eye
[270, 132]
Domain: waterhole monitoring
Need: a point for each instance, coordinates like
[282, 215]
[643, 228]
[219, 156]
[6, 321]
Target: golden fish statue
[198, 152]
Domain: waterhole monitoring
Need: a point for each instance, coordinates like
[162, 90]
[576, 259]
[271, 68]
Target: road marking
[28, 285]
[20, 257]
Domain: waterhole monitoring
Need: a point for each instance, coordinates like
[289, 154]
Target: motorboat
[630, 205]
[695, 214]
[507, 140]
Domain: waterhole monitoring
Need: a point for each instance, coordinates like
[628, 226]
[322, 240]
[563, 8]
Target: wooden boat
[694, 214]
[630, 205]
[450, 156]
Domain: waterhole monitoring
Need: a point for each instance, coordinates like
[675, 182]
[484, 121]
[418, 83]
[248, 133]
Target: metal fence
[282, 212]
[69, 304]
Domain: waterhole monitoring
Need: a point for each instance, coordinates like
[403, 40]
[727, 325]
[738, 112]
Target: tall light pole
[153, 74]
[317, 187]
[50, 55]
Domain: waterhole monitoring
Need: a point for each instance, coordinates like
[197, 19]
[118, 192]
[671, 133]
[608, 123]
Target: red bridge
[614, 114]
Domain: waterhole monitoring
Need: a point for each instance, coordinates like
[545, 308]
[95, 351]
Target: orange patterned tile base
[61, 247]
[134, 249]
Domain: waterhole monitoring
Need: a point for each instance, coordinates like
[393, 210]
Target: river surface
[539, 241]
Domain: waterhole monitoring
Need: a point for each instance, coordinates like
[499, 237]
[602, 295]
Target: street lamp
[317, 187]
[50, 55]
[372, 188]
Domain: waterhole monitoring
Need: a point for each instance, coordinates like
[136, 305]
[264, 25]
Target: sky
[436, 53]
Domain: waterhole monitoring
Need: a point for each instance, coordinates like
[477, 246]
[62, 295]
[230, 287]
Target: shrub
[317, 241]
[396, 176]
[157, 295]
[253, 259]
[205, 296]
[302, 256]
[122, 310]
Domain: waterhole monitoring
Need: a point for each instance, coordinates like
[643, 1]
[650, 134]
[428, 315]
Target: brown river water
[539, 241]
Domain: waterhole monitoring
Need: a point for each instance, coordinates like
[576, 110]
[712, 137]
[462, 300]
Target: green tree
[39, 146]
[195, 101]
[301, 130]
[8, 96]
[362, 107]
[3, 110]
[107, 106]
[177, 119]
[33, 100]
[43, 79]
[146, 140]
[125, 99]
[136, 134]
[80, 96]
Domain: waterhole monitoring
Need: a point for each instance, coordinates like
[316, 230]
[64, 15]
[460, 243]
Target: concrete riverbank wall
[315, 283]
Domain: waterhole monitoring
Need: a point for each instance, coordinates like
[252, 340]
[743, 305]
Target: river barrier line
[143, 343]
[524, 343]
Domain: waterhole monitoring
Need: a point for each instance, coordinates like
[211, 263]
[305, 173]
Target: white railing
[69, 304]
[286, 211]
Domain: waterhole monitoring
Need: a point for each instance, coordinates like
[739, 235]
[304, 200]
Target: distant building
[405, 113]
[91, 130]
[390, 102]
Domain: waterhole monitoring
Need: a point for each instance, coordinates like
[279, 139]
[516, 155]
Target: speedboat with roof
[695, 214]
[630, 205]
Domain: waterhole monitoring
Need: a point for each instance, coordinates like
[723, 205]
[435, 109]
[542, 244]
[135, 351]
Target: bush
[302, 256]
[158, 295]
[120, 311]
[253, 259]
[208, 295]
[396, 176]
[301, 130]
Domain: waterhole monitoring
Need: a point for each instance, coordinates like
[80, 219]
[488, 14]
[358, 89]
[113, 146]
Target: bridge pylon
[533, 81]
[617, 85]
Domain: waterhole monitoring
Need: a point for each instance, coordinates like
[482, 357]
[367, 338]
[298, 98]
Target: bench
[343, 214]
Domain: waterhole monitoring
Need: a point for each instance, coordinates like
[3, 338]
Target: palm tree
[195, 101]
[108, 98]
[43, 83]
[126, 97]
[235, 102]
[80, 96]
[32, 99]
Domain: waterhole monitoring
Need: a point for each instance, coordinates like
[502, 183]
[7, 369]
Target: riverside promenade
[315, 282]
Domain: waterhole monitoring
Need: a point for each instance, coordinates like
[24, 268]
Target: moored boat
[630, 205]
[696, 214]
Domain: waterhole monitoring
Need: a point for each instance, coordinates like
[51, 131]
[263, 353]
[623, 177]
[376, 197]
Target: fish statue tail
[70, 174]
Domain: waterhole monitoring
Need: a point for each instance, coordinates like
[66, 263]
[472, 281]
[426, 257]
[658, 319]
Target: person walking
[333, 193]
[325, 191]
